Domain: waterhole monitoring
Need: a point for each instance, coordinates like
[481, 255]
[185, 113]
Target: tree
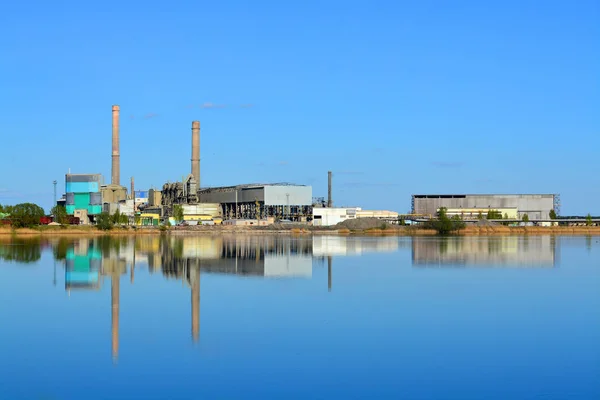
[480, 215]
[588, 220]
[494, 214]
[525, 218]
[104, 221]
[444, 225]
[116, 217]
[60, 214]
[26, 215]
[552, 214]
[178, 212]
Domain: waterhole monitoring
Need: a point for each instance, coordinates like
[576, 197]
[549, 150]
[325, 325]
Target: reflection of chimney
[115, 314]
[329, 262]
[195, 280]
[196, 151]
[116, 169]
[329, 199]
[132, 190]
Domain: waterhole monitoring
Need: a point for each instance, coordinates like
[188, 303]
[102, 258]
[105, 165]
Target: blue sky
[394, 97]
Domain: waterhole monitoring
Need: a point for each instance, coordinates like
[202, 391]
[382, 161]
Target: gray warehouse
[278, 201]
[536, 206]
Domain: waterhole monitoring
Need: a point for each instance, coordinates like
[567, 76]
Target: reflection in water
[535, 251]
[87, 260]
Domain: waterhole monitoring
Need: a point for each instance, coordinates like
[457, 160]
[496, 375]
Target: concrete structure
[195, 170]
[280, 201]
[154, 197]
[83, 194]
[381, 214]
[474, 213]
[329, 198]
[246, 222]
[113, 194]
[536, 206]
[116, 164]
[325, 216]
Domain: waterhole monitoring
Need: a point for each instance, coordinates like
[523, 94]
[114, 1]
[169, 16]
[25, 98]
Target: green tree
[588, 220]
[525, 218]
[116, 217]
[104, 221]
[553, 215]
[445, 225]
[178, 212]
[60, 214]
[26, 215]
[480, 216]
[494, 214]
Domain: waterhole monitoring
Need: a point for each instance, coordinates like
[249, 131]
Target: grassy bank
[73, 231]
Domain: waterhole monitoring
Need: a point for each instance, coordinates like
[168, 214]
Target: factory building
[536, 206]
[261, 201]
[83, 198]
[325, 216]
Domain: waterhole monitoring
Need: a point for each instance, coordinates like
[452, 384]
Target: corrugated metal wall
[536, 206]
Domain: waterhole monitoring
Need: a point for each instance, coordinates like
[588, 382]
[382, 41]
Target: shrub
[104, 221]
[445, 225]
[26, 215]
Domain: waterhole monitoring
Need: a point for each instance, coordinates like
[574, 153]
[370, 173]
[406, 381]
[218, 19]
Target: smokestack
[196, 151]
[116, 168]
[132, 189]
[329, 200]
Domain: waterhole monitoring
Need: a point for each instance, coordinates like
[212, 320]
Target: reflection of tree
[588, 242]
[22, 250]
[60, 249]
[444, 245]
[494, 245]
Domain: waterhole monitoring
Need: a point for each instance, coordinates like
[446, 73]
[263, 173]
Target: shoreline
[220, 230]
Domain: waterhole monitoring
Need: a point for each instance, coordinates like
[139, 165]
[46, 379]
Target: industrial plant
[87, 196]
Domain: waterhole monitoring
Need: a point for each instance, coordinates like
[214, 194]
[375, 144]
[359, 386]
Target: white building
[332, 216]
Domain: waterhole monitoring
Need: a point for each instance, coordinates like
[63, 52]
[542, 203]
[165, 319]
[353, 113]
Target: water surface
[281, 317]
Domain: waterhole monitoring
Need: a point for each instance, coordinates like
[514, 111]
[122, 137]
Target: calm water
[326, 317]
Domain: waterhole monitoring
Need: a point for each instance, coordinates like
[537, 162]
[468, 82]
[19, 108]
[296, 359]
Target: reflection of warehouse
[351, 245]
[536, 206]
[277, 201]
[534, 251]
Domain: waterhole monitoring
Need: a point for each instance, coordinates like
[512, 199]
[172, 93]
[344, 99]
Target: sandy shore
[73, 231]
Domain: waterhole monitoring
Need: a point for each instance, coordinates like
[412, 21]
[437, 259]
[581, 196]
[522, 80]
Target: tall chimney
[329, 200]
[116, 168]
[132, 190]
[196, 151]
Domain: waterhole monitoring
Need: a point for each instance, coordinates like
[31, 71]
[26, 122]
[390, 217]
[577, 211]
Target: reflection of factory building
[536, 206]
[527, 251]
[352, 245]
[241, 255]
[83, 266]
